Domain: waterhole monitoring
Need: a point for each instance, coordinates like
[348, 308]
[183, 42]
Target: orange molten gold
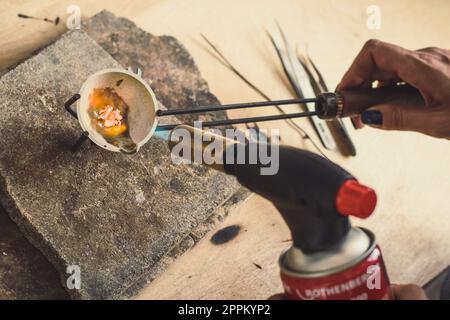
[108, 112]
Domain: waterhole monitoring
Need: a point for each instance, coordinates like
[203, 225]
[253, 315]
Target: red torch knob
[355, 199]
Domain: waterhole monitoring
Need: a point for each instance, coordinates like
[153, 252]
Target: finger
[408, 292]
[374, 57]
[378, 57]
[396, 117]
[279, 296]
[437, 52]
[357, 123]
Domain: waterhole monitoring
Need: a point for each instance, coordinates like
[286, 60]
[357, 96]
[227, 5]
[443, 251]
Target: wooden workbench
[410, 172]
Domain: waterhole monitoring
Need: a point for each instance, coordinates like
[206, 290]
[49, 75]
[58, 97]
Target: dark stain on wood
[225, 235]
[257, 265]
[177, 185]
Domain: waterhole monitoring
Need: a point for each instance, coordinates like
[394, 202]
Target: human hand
[428, 70]
[408, 292]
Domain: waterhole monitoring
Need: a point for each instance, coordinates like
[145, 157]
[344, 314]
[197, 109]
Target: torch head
[191, 144]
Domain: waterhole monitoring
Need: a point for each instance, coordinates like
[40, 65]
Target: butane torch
[329, 259]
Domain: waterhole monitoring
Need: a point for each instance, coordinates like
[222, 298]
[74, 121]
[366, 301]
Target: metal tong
[328, 105]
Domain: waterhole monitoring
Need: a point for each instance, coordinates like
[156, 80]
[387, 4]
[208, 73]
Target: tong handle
[356, 101]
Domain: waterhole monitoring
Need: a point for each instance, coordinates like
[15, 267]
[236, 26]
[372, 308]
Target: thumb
[397, 117]
[408, 292]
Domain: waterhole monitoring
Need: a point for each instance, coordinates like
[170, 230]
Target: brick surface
[114, 216]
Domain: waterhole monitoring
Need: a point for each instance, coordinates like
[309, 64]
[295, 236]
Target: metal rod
[69, 103]
[162, 113]
[242, 120]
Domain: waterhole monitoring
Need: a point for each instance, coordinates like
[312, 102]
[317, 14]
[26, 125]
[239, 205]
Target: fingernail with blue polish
[372, 117]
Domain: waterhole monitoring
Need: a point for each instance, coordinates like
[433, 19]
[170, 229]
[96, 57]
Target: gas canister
[329, 259]
[351, 269]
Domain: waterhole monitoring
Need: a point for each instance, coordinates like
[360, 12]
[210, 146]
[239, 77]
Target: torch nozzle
[193, 146]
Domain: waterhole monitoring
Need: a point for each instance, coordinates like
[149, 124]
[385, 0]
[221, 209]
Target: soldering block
[113, 216]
